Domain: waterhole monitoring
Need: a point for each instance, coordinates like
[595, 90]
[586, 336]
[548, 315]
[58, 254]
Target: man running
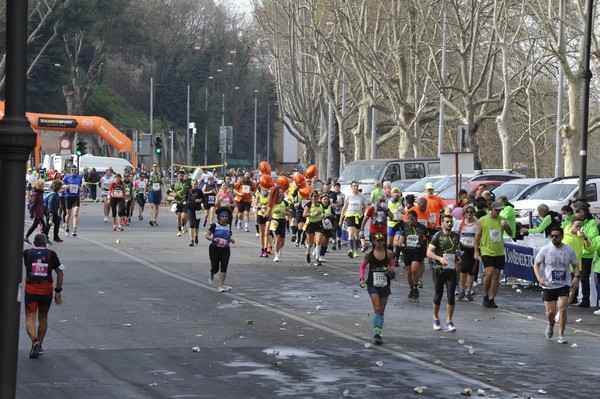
[180, 187]
[72, 184]
[39, 265]
[444, 250]
[156, 183]
[352, 213]
[245, 189]
[552, 270]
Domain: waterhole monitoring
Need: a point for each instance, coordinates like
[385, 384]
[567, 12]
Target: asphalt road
[134, 311]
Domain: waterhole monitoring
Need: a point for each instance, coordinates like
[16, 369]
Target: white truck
[118, 165]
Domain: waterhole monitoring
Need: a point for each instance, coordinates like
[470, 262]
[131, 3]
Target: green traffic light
[158, 150]
[78, 153]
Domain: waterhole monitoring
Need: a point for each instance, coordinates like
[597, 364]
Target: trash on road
[466, 392]
[379, 363]
[249, 322]
[196, 349]
[480, 392]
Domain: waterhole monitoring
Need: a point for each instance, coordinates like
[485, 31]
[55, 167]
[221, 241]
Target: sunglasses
[469, 212]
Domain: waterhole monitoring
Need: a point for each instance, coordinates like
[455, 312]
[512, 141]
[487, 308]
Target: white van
[366, 173]
[118, 165]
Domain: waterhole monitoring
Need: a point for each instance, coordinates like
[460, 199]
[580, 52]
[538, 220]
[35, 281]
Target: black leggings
[36, 222]
[118, 206]
[219, 258]
[441, 278]
[194, 222]
[55, 222]
[586, 271]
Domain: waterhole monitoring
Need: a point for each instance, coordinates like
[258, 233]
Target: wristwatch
[58, 290]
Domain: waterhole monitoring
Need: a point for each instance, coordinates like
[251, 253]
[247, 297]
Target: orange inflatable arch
[81, 124]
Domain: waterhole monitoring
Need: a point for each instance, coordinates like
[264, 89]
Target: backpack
[555, 221]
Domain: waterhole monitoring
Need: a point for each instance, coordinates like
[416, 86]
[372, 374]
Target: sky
[244, 6]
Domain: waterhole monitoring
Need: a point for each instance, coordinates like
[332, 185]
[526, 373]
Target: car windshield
[448, 181]
[556, 192]
[362, 173]
[450, 192]
[509, 190]
[419, 186]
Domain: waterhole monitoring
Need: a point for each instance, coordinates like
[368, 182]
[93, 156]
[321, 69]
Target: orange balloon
[299, 179]
[265, 168]
[283, 182]
[306, 191]
[311, 171]
[266, 181]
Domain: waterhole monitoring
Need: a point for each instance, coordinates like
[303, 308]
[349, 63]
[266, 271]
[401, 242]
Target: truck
[61, 162]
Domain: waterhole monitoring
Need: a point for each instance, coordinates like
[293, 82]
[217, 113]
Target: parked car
[402, 184]
[449, 194]
[520, 189]
[418, 188]
[560, 192]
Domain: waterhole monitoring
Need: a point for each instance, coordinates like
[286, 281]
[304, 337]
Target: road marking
[302, 320]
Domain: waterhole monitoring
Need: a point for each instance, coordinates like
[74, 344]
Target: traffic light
[158, 145]
[81, 148]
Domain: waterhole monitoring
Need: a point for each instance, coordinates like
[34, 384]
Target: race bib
[198, 214]
[451, 258]
[211, 199]
[467, 241]
[39, 269]
[396, 215]
[495, 235]
[327, 225]
[224, 201]
[432, 218]
[127, 192]
[73, 188]
[559, 276]
[412, 241]
[379, 279]
[273, 225]
[246, 189]
[118, 193]
[156, 186]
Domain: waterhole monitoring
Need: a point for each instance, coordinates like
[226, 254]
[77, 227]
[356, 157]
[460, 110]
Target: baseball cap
[581, 206]
[496, 205]
[396, 190]
[429, 186]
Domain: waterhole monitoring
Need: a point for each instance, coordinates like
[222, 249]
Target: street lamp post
[255, 115]
[187, 137]
[206, 125]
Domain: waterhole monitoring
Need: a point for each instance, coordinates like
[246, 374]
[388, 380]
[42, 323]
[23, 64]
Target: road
[134, 311]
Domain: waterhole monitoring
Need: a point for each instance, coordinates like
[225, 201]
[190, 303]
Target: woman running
[219, 251]
[313, 213]
[117, 201]
[277, 210]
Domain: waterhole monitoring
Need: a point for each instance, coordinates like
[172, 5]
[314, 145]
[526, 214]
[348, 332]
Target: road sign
[64, 144]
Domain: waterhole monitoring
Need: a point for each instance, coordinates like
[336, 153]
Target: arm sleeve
[545, 223]
[363, 267]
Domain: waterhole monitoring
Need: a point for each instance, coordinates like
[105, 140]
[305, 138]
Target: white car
[561, 192]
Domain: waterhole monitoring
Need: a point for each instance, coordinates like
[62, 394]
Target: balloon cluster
[266, 180]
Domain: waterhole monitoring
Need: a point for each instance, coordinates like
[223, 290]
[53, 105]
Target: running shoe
[317, 262]
[549, 332]
[333, 247]
[150, 223]
[34, 353]
[270, 250]
[356, 255]
[461, 295]
[350, 254]
[276, 259]
[561, 339]
[211, 278]
[449, 326]
[178, 233]
[493, 304]
[437, 325]
[49, 243]
[57, 239]
[469, 297]
[120, 228]
[221, 288]
[41, 351]
[293, 238]
[192, 243]
[114, 227]
[363, 248]
[67, 232]
[303, 245]
[246, 230]
[296, 244]
[257, 235]
[105, 219]
[597, 312]
[322, 259]
[416, 293]
[140, 217]
[239, 226]
[74, 233]
[339, 245]
[486, 301]
[27, 240]
[411, 293]
[308, 258]
[196, 239]
[377, 339]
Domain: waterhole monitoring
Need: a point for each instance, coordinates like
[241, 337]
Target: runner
[105, 182]
[444, 250]
[180, 187]
[39, 283]
[140, 193]
[117, 202]
[337, 201]
[381, 266]
[313, 213]
[377, 215]
[129, 197]
[260, 203]
[466, 228]
[414, 241]
[156, 185]
[72, 190]
[552, 270]
[490, 246]
[210, 195]
[245, 189]
[277, 210]
[219, 251]
[352, 213]
[194, 200]
[328, 222]
[396, 206]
